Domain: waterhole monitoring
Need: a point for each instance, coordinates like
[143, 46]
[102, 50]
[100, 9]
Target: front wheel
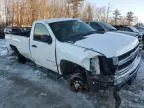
[78, 84]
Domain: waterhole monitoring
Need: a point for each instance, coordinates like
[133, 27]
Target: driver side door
[43, 50]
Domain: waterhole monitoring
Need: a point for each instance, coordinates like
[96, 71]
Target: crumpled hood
[110, 44]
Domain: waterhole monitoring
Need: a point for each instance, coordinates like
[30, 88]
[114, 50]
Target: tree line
[24, 12]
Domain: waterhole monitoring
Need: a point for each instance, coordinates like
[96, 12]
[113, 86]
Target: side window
[40, 32]
[96, 26]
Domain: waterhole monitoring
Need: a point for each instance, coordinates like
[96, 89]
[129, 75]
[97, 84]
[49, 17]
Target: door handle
[34, 46]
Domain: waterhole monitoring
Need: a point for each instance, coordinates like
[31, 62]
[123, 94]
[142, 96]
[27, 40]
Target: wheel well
[13, 48]
[68, 68]
[21, 58]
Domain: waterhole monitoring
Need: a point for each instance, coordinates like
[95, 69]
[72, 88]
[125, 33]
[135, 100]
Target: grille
[126, 60]
[143, 41]
[127, 54]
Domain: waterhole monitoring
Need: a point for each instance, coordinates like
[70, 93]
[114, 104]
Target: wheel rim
[76, 85]
[16, 57]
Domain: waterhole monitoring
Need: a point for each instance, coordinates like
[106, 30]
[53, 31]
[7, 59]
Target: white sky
[136, 6]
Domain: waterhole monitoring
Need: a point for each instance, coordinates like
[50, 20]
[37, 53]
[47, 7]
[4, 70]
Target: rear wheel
[20, 58]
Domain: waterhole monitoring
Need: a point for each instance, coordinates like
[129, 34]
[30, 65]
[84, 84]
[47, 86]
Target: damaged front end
[102, 71]
[117, 71]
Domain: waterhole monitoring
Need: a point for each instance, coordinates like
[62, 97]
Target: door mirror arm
[47, 39]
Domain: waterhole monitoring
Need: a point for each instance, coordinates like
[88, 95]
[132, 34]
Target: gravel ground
[26, 86]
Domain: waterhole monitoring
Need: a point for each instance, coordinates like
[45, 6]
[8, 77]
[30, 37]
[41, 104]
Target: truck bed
[20, 39]
[18, 31]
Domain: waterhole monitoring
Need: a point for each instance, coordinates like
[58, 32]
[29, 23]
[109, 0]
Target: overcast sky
[136, 6]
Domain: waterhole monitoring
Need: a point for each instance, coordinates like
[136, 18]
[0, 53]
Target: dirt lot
[26, 86]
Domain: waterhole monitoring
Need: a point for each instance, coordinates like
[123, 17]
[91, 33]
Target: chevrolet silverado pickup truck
[105, 27]
[78, 53]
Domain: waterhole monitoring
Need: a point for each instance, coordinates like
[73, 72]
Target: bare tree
[88, 13]
[108, 11]
[75, 5]
[103, 13]
[6, 11]
[99, 13]
[116, 16]
[33, 9]
[0, 16]
[24, 12]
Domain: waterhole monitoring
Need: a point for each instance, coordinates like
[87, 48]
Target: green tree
[130, 17]
[116, 16]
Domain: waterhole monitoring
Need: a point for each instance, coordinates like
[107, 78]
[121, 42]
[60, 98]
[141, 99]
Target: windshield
[66, 30]
[107, 26]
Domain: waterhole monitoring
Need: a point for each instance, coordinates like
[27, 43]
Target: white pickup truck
[77, 52]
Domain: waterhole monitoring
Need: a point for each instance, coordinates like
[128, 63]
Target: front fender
[74, 54]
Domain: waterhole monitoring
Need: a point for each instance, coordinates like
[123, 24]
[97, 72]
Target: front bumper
[121, 80]
[129, 78]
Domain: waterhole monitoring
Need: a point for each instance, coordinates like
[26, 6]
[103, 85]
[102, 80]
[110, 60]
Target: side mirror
[47, 39]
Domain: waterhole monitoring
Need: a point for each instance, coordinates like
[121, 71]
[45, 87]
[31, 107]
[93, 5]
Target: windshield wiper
[70, 37]
[91, 32]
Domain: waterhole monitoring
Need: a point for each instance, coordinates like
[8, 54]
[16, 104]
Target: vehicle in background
[2, 35]
[133, 30]
[126, 28]
[75, 51]
[140, 29]
[105, 27]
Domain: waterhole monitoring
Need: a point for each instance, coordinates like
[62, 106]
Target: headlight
[94, 65]
[107, 66]
[103, 65]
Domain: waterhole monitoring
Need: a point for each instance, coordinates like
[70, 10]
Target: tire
[20, 58]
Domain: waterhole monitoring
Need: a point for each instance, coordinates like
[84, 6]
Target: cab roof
[52, 20]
